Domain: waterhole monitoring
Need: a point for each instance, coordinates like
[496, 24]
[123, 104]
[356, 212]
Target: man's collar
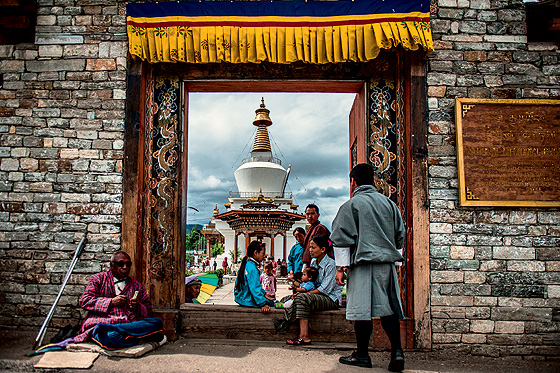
[363, 188]
[117, 281]
[316, 223]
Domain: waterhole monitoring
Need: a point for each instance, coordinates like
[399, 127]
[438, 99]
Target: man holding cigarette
[367, 234]
[118, 308]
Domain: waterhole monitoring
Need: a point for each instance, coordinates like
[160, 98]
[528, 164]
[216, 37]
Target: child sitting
[268, 281]
[307, 283]
[308, 278]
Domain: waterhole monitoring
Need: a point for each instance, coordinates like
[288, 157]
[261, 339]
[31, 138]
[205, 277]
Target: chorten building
[260, 209]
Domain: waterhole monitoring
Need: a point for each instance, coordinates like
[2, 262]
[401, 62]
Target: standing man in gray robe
[367, 232]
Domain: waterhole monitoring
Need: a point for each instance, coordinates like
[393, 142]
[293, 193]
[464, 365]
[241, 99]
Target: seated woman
[248, 289]
[327, 295]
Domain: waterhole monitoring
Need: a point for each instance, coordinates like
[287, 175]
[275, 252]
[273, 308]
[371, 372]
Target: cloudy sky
[309, 131]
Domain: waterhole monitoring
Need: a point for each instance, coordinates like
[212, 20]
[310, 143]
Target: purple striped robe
[97, 299]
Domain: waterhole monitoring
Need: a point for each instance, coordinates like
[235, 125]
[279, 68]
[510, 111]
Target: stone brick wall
[495, 273]
[61, 151]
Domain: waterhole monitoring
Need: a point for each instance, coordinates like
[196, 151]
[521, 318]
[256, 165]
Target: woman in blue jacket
[248, 290]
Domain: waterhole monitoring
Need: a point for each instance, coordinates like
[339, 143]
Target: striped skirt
[306, 303]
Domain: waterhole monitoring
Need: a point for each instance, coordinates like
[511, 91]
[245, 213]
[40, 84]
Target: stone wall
[61, 152]
[495, 272]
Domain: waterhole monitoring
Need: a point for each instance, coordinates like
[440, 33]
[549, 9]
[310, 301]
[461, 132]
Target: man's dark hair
[312, 206]
[312, 272]
[362, 174]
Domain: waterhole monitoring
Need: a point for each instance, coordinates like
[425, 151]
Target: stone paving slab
[224, 295]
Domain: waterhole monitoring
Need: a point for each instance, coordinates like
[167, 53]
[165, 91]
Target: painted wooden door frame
[417, 179]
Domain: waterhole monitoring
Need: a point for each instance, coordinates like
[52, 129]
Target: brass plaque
[508, 152]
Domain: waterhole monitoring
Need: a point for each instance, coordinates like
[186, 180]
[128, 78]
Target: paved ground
[224, 295]
[262, 356]
[245, 356]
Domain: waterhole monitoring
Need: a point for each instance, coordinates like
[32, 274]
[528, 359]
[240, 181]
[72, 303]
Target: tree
[217, 249]
[189, 258]
[195, 240]
[232, 256]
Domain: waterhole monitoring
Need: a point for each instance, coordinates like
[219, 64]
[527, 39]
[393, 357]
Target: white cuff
[399, 263]
[342, 256]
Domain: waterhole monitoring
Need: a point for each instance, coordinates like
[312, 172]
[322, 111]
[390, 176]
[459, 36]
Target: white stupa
[261, 209]
[261, 173]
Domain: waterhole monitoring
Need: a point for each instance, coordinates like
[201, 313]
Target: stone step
[243, 323]
[235, 322]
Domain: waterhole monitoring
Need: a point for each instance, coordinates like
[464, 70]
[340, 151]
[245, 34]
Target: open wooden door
[357, 128]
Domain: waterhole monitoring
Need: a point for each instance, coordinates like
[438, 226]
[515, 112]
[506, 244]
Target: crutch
[43, 330]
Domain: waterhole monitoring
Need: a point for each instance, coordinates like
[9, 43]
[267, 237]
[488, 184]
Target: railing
[262, 159]
[256, 194]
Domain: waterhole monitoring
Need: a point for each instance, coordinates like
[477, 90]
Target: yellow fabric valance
[160, 37]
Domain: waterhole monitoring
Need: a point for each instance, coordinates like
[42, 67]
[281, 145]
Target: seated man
[192, 290]
[118, 308]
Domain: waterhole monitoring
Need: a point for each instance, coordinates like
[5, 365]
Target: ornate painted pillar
[386, 142]
[163, 245]
[385, 132]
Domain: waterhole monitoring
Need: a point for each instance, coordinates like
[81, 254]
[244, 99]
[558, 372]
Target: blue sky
[309, 131]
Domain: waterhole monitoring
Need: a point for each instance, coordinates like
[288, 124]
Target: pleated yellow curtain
[234, 44]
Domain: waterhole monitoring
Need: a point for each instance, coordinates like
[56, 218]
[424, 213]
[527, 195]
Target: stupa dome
[261, 172]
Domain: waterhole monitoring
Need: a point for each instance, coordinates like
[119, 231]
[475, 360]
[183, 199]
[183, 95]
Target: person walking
[283, 268]
[225, 265]
[368, 231]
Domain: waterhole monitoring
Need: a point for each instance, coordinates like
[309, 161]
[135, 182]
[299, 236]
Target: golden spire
[262, 120]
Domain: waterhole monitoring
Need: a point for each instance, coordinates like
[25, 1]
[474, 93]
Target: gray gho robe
[370, 227]
[370, 224]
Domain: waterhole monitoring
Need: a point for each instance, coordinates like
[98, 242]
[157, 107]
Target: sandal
[297, 342]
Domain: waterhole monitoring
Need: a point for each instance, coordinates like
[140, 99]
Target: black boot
[397, 361]
[355, 360]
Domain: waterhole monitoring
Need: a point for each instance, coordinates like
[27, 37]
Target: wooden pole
[235, 243]
[272, 244]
